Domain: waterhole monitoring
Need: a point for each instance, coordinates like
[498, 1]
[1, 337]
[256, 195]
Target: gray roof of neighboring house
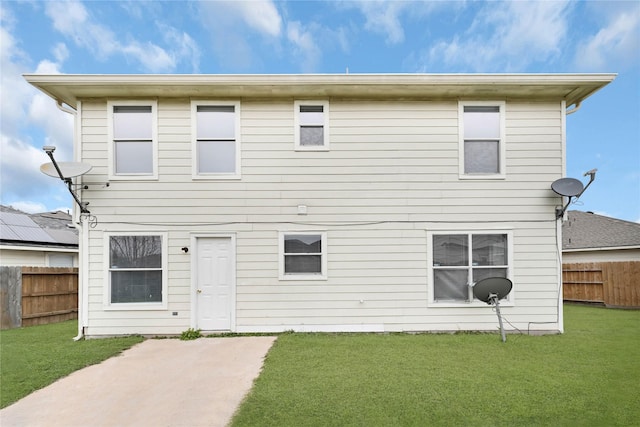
[43, 229]
[586, 230]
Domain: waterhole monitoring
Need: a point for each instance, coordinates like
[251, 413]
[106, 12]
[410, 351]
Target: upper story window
[216, 146]
[482, 147]
[133, 136]
[460, 259]
[303, 256]
[311, 122]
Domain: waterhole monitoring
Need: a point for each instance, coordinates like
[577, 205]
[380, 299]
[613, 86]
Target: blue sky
[323, 37]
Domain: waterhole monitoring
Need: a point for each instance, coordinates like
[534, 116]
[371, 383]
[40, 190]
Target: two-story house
[265, 203]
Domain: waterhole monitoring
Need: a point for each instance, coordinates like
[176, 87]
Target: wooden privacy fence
[38, 295]
[614, 284]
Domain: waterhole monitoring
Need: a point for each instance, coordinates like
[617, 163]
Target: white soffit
[573, 88]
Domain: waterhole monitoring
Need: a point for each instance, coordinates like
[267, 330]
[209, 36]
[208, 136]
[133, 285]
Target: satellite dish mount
[571, 187]
[65, 171]
[491, 290]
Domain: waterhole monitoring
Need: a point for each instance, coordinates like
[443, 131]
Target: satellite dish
[569, 187]
[67, 169]
[491, 290]
[491, 287]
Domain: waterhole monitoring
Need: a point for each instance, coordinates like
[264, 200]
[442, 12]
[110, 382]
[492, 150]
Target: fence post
[10, 297]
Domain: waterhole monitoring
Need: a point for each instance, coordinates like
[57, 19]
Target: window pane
[136, 286]
[489, 249]
[311, 135]
[302, 244]
[60, 260]
[481, 157]
[216, 122]
[216, 156]
[481, 122]
[483, 273]
[132, 122]
[303, 264]
[134, 157]
[312, 118]
[135, 252]
[450, 285]
[451, 250]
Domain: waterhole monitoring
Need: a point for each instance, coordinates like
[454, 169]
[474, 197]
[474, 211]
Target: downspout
[70, 110]
[560, 302]
[575, 108]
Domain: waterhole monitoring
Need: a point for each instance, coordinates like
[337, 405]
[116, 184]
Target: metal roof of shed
[47, 229]
[20, 227]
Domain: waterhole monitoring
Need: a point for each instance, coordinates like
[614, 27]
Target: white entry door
[214, 283]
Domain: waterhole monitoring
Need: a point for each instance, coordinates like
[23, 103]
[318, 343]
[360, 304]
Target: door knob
[199, 291]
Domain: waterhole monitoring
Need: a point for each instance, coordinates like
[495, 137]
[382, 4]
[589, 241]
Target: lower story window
[462, 259]
[303, 256]
[136, 269]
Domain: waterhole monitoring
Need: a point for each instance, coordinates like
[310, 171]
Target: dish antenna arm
[495, 301]
[592, 177]
[83, 205]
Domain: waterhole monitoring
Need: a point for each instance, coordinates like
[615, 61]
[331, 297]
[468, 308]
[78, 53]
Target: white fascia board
[38, 248]
[71, 88]
[609, 248]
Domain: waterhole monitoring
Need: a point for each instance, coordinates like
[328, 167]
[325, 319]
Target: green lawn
[589, 376]
[33, 357]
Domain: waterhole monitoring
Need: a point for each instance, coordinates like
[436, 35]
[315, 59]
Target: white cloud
[60, 52]
[261, 15]
[506, 37]
[384, 17]
[20, 168]
[72, 19]
[183, 45]
[152, 58]
[29, 207]
[618, 42]
[24, 109]
[239, 29]
[14, 90]
[304, 45]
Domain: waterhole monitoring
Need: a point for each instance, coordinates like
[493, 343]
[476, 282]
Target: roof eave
[69, 88]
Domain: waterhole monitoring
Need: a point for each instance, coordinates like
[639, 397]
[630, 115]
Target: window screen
[303, 254]
[463, 259]
[216, 139]
[135, 267]
[133, 139]
[312, 125]
[481, 139]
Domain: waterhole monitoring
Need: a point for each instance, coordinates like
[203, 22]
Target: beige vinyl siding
[606, 255]
[393, 164]
[12, 257]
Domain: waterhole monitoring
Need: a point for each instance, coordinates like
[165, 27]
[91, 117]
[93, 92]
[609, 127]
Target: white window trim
[194, 141]
[154, 140]
[107, 277]
[507, 302]
[296, 123]
[501, 145]
[322, 275]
